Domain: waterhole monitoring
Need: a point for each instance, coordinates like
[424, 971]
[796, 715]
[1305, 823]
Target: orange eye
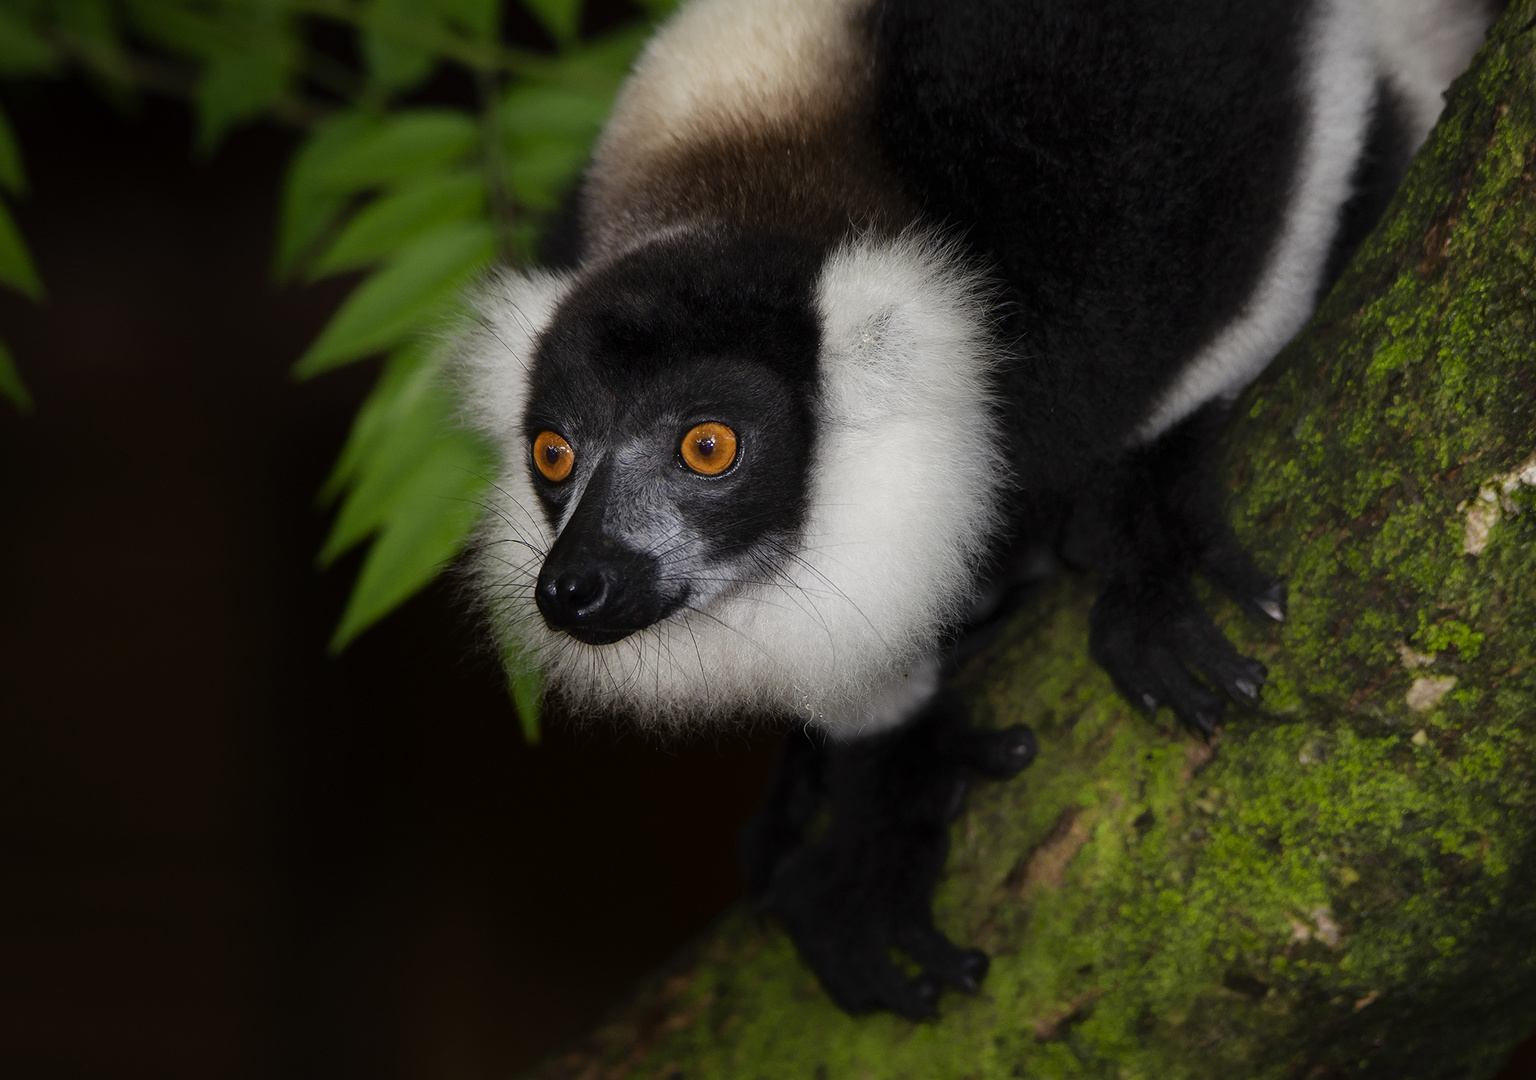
[709, 449]
[553, 456]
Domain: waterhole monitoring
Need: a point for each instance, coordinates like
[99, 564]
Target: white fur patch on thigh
[1421, 45]
[1339, 81]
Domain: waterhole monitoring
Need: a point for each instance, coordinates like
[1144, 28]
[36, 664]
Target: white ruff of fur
[903, 505]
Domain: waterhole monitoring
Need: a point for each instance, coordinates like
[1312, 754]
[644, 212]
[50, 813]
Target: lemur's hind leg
[1153, 523]
[793, 800]
[862, 884]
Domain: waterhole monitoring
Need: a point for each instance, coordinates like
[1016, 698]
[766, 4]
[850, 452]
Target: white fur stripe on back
[1417, 47]
[1338, 92]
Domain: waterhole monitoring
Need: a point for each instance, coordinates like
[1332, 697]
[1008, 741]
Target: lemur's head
[739, 476]
[670, 424]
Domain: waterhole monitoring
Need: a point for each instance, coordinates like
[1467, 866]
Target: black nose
[597, 600]
[578, 593]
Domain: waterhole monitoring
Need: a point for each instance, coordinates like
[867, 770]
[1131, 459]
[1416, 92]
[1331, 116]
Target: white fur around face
[903, 505]
[1339, 85]
[493, 363]
[494, 358]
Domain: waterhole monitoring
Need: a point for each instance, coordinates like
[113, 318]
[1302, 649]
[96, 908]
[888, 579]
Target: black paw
[853, 838]
[942, 959]
[1151, 640]
[845, 926]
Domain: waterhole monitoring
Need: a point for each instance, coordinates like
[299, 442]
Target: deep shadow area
[226, 854]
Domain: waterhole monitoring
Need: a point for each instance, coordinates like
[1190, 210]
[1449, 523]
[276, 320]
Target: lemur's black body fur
[964, 277]
[1083, 112]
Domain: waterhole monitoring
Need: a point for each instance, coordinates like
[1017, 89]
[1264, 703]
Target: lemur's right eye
[709, 449]
[553, 456]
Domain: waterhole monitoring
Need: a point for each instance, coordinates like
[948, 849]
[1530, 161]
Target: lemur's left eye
[553, 456]
[708, 449]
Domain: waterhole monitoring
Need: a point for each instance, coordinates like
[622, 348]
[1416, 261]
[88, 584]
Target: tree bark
[1344, 882]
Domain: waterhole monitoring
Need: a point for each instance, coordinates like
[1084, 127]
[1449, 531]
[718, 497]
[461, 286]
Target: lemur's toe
[1196, 707]
[972, 971]
[1231, 569]
[886, 988]
[1200, 718]
[1005, 753]
[1154, 675]
[925, 991]
[1206, 649]
[1114, 642]
[941, 958]
[1133, 668]
[1241, 678]
[872, 982]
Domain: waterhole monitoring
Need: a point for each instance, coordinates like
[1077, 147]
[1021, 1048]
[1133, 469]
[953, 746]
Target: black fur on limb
[864, 880]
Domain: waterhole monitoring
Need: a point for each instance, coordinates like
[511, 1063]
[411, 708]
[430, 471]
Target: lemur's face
[739, 478]
[668, 437]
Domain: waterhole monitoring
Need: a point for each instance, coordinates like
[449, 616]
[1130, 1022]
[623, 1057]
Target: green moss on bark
[1345, 882]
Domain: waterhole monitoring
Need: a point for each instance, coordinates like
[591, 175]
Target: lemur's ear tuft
[888, 310]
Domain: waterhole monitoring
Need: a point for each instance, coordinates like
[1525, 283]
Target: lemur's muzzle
[598, 600]
[593, 587]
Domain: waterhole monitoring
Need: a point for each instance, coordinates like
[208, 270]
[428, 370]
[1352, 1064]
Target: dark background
[223, 854]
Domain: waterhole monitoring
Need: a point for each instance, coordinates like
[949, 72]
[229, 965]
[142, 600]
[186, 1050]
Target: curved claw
[1271, 601]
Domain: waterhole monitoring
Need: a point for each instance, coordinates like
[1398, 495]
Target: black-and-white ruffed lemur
[871, 299]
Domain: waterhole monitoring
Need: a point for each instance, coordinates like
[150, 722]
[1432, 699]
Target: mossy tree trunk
[1344, 882]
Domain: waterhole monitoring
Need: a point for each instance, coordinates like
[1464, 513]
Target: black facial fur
[698, 328]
